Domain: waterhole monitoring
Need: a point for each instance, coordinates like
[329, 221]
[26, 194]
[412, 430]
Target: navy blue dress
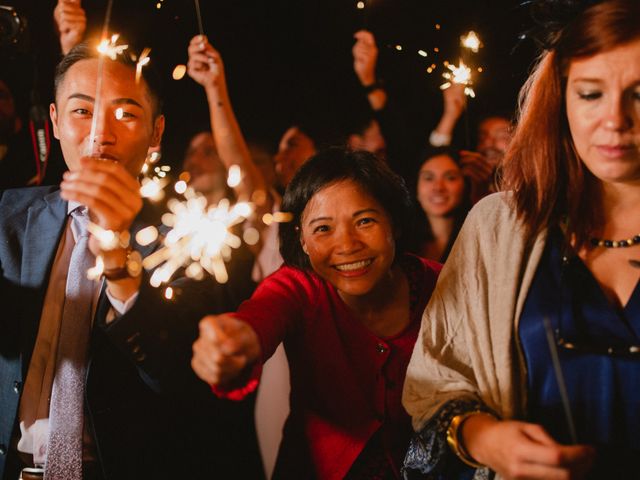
[603, 387]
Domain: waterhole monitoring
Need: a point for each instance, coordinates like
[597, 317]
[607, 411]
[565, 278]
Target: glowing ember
[235, 176]
[153, 188]
[146, 236]
[95, 272]
[179, 72]
[180, 187]
[460, 75]
[143, 61]
[471, 41]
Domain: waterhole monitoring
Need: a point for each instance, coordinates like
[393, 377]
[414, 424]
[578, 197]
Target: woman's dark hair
[335, 165]
[541, 167]
[422, 232]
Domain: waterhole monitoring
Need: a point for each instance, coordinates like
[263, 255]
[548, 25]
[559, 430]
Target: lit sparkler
[200, 239]
[471, 41]
[461, 75]
[110, 47]
[142, 62]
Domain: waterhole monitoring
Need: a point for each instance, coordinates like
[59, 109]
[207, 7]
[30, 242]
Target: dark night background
[291, 59]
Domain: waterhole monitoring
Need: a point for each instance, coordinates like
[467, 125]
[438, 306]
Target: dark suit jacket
[150, 416]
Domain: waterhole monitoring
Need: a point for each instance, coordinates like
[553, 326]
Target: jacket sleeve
[156, 334]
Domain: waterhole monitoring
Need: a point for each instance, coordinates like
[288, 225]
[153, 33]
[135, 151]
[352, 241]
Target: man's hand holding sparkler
[225, 348]
[71, 22]
[113, 198]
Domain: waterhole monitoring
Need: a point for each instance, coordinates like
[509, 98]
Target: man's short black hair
[335, 165]
[83, 51]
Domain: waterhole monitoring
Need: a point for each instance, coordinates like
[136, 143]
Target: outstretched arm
[455, 102]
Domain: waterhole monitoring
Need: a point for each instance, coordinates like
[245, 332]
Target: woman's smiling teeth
[350, 267]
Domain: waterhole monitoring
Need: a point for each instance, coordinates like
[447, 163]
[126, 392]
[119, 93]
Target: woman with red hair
[528, 360]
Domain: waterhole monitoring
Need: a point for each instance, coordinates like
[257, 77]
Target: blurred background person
[443, 198]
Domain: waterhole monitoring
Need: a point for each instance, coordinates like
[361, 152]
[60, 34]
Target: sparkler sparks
[471, 41]
[460, 75]
[179, 72]
[143, 61]
[200, 239]
[153, 188]
[110, 47]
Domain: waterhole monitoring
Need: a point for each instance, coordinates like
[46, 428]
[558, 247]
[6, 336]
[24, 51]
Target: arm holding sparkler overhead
[71, 23]
[206, 68]
[454, 103]
[365, 58]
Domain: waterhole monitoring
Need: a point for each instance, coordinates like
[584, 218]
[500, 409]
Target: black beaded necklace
[629, 242]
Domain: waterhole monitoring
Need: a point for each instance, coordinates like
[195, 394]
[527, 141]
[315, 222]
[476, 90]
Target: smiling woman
[347, 305]
[542, 280]
[443, 197]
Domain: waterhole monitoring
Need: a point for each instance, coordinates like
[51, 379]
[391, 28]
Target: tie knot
[79, 222]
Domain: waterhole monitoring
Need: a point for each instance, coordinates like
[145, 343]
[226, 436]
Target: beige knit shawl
[468, 343]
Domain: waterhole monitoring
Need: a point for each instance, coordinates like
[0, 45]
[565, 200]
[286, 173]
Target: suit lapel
[45, 225]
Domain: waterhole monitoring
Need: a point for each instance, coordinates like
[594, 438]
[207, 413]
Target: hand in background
[205, 63]
[365, 57]
[479, 172]
[71, 23]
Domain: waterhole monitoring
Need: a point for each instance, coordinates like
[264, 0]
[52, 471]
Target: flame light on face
[200, 239]
[461, 75]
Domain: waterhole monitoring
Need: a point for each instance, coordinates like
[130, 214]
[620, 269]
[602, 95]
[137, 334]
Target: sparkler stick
[562, 386]
[199, 15]
[98, 97]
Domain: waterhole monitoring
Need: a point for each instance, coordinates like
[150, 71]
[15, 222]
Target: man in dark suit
[143, 413]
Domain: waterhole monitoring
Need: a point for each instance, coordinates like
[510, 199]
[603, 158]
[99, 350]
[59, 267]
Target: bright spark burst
[142, 62]
[471, 41]
[200, 238]
[460, 75]
[153, 188]
[110, 47]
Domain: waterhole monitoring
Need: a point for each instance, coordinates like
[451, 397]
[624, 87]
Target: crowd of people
[426, 312]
